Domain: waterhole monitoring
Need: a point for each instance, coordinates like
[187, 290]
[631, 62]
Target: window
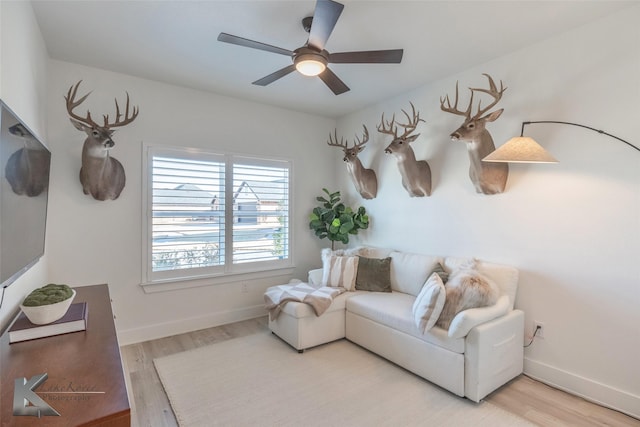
[210, 214]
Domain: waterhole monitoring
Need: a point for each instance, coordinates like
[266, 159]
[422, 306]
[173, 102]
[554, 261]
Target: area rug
[259, 380]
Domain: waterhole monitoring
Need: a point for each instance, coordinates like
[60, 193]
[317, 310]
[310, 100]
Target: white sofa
[482, 350]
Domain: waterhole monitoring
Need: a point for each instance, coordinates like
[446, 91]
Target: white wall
[573, 229]
[23, 79]
[100, 242]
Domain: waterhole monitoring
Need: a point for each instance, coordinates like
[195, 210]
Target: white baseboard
[586, 388]
[161, 330]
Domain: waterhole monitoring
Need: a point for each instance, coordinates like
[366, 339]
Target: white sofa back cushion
[410, 271]
[506, 277]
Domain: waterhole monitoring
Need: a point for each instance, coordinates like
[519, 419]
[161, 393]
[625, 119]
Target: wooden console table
[85, 383]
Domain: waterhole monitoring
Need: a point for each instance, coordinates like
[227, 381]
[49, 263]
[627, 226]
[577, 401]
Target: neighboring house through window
[214, 214]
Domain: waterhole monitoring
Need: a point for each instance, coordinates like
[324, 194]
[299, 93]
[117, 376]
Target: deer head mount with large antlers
[364, 179]
[416, 174]
[488, 178]
[101, 175]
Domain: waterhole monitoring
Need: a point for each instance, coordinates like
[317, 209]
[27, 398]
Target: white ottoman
[298, 325]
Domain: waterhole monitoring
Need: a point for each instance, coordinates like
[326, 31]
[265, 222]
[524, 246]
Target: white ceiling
[175, 42]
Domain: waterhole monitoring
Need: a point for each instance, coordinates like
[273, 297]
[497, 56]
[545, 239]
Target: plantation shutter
[214, 214]
[260, 210]
[188, 221]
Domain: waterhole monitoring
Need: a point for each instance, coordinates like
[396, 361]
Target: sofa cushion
[469, 319]
[374, 275]
[394, 310]
[506, 277]
[410, 271]
[340, 271]
[429, 302]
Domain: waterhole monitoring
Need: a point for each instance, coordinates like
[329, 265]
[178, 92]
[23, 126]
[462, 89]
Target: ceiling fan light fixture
[310, 64]
[310, 67]
[312, 58]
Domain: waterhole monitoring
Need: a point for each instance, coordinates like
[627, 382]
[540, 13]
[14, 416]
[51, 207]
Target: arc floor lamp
[522, 149]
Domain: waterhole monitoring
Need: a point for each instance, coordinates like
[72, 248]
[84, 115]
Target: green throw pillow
[374, 274]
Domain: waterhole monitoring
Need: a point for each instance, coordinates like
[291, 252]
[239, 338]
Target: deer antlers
[389, 128]
[72, 103]
[492, 91]
[344, 145]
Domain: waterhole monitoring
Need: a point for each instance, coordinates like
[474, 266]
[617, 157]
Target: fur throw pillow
[466, 288]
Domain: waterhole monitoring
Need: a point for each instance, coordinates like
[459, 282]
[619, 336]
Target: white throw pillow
[429, 302]
[340, 271]
[469, 319]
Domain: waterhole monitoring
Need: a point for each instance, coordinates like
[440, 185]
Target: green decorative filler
[49, 294]
[335, 221]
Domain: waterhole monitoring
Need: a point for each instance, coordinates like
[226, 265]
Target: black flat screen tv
[24, 192]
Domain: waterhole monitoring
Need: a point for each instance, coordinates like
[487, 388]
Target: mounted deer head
[364, 179]
[101, 175]
[488, 178]
[416, 175]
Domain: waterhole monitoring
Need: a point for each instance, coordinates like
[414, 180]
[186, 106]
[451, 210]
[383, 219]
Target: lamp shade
[520, 149]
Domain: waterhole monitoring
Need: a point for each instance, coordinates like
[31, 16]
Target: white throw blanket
[318, 298]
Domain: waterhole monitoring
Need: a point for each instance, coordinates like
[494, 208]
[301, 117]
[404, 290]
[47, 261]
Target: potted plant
[335, 221]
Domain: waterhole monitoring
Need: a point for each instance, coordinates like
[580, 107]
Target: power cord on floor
[533, 336]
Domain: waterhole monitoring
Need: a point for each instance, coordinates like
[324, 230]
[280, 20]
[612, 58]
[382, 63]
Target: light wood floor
[523, 396]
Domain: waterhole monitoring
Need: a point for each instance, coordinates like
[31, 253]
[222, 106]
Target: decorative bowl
[43, 314]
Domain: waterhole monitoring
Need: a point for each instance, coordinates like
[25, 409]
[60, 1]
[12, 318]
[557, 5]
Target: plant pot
[43, 314]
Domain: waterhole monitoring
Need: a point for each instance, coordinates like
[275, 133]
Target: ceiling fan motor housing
[306, 53]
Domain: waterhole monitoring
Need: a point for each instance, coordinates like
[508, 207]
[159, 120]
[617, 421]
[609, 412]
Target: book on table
[74, 320]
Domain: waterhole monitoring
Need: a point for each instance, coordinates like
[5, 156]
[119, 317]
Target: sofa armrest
[315, 277]
[468, 319]
[494, 354]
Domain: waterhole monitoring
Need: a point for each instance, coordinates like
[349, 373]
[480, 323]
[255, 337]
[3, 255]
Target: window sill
[187, 283]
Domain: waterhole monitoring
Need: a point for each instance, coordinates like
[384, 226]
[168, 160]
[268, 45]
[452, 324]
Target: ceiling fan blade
[336, 85]
[367, 57]
[325, 18]
[228, 38]
[275, 76]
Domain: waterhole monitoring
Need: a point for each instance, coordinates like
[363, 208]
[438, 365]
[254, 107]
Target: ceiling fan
[312, 59]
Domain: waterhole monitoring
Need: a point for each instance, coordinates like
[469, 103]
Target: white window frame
[229, 272]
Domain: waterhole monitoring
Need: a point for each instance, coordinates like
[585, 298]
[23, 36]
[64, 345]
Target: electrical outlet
[539, 325]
